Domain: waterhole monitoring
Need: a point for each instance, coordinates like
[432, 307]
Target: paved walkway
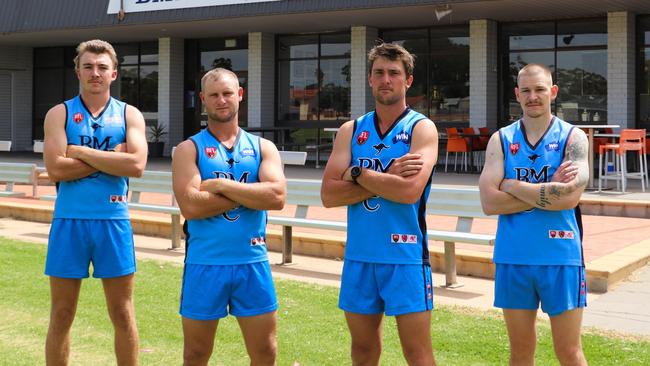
[607, 239]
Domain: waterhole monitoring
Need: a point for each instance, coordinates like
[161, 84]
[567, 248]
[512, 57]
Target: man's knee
[418, 356]
[123, 316]
[193, 355]
[61, 318]
[522, 351]
[265, 354]
[365, 351]
[570, 354]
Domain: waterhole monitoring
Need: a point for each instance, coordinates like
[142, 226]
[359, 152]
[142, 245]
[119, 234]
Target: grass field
[311, 330]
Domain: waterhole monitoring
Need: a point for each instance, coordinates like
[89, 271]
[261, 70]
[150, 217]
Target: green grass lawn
[311, 330]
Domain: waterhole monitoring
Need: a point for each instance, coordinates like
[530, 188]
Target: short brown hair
[216, 74]
[529, 69]
[393, 52]
[96, 46]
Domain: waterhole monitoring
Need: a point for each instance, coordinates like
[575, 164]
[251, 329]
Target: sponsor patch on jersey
[78, 117]
[248, 152]
[514, 148]
[210, 152]
[553, 146]
[362, 137]
[560, 234]
[402, 137]
[258, 241]
[403, 239]
[118, 198]
[113, 120]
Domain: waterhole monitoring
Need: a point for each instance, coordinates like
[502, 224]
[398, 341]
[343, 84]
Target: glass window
[129, 85]
[149, 52]
[440, 86]
[314, 78]
[335, 45]
[127, 54]
[304, 46]
[577, 56]
[528, 36]
[643, 93]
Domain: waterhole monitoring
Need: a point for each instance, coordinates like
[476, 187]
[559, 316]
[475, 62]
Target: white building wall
[261, 79]
[621, 97]
[362, 40]
[483, 91]
[171, 71]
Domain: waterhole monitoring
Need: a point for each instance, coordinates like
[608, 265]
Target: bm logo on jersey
[531, 175]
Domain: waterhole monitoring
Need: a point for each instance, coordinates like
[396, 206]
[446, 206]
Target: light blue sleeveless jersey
[536, 236]
[379, 230]
[99, 195]
[239, 235]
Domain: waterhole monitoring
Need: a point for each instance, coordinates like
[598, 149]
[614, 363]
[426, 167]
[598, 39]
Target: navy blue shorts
[558, 288]
[396, 289]
[76, 243]
[212, 291]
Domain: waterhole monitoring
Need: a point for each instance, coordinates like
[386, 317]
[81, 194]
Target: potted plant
[155, 144]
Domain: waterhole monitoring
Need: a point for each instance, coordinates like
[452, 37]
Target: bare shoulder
[56, 114]
[185, 149]
[268, 148]
[425, 126]
[133, 115]
[577, 145]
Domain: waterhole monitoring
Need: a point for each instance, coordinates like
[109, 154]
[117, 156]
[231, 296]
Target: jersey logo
[403, 238]
[531, 175]
[258, 241]
[231, 162]
[78, 117]
[210, 152]
[514, 148]
[362, 137]
[248, 152]
[534, 157]
[380, 147]
[228, 218]
[560, 234]
[402, 137]
[96, 125]
[553, 146]
[116, 198]
[366, 205]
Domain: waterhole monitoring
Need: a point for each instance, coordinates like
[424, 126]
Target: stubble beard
[218, 118]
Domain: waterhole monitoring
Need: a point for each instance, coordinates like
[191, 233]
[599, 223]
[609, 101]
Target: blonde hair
[216, 74]
[96, 46]
[531, 69]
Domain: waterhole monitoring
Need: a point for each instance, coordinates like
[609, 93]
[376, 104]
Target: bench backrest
[17, 172]
[443, 200]
[293, 157]
[5, 145]
[151, 181]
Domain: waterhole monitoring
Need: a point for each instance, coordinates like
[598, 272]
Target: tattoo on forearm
[554, 191]
[543, 199]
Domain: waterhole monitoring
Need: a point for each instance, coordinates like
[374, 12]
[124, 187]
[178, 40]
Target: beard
[217, 117]
[388, 99]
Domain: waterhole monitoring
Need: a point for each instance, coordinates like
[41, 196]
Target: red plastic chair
[456, 144]
[630, 140]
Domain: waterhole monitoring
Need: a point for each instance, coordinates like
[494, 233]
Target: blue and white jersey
[537, 236]
[239, 235]
[379, 230]
[99, 195]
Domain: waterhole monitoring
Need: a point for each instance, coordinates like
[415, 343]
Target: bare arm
[493, 200]
[61, 167]
[267, 194]
[186, 180]
[406, 189]
[335, 191]
[129, 163]
[557, 196]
